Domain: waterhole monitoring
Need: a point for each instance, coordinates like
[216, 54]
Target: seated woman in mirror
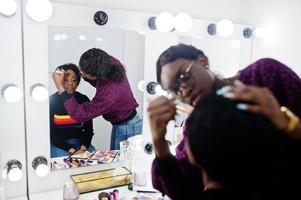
[69, 136]
[114, 99]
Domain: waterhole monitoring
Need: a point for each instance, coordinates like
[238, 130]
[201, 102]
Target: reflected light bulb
[160, 91]
[64, 36]
[259, 32]
[57, 37]
[141, 85]
[39, 93]
[183, 22]
[15, 174]
[224, 28]
[39, 10]
[82, 37]
[42, 170]
[165, 22]
[11, 93]
[8, 7]
[99, 39]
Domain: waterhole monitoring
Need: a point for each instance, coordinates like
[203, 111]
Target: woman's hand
[261, 101]
[58, 78]
[160, 111]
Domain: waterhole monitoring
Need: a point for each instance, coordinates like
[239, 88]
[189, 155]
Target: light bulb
[64, 36]
[141, 85]
[8, 7]
[39, 92]
[57, 37]
[39, 10]
[165, 22]
[15, 174]
[160, 91]
[40, 165]
[224, 28]
[259, 32]
[82, 37]
[42, 170]
[11, 93]
[99, 39]
[14, 170]
[183, 22]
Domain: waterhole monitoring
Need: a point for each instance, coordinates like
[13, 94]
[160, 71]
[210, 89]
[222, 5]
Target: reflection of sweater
[63, 127]
[283, 83]
[114, 101]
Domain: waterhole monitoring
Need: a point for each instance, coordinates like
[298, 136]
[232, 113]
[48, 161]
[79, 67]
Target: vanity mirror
[66, 45]
[71, 31]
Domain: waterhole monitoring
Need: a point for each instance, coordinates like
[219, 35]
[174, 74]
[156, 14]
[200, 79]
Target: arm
[282, 88]
[260, 100]
[170, 175]
[88, 131]
[175, 176]
[88, 110]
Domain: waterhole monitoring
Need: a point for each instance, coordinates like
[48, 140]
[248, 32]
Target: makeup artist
[113, 100]
[68, 136]
[184, 71]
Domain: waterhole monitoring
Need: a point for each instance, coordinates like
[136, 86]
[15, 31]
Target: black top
[63, 127]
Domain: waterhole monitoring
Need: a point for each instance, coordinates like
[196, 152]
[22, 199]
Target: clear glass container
[70, 191]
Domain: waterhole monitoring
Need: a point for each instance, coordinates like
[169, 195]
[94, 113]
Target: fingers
[161, 106]
[242, 92]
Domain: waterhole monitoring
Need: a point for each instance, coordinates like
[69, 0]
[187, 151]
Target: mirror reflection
[95, 102]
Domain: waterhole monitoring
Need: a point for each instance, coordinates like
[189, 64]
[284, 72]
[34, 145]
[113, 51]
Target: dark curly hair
[100, 64]
[73, 67]
[175, 52]
[236, 147]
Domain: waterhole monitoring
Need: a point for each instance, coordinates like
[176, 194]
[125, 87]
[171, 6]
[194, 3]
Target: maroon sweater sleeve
[175, 176]
[284, 83]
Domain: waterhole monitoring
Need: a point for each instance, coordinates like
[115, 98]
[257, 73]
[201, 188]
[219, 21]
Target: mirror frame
[36, 62]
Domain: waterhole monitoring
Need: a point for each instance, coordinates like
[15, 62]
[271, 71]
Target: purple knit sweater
[175, 176]
[114, 101]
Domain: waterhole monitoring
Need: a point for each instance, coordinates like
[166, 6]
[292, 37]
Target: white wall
[279, 16]
[203, 9]
[283, 30]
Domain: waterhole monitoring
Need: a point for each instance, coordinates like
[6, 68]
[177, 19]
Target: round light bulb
[259, 32]
[12, 93]
[15, 174]
[64, 36]
[82, 37]
[39, 10]
[99, 39]
[57, 37]
[160, 91]
[224, 28]
[183, 22]
[39, 93]
[165, 22]
[42, 170]
[141, 85]
[8, 7]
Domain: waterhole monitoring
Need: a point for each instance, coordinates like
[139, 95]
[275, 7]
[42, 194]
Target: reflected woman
[69, 136]
[113, 100]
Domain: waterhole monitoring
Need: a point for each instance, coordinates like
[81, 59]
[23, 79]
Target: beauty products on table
[86, 159]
